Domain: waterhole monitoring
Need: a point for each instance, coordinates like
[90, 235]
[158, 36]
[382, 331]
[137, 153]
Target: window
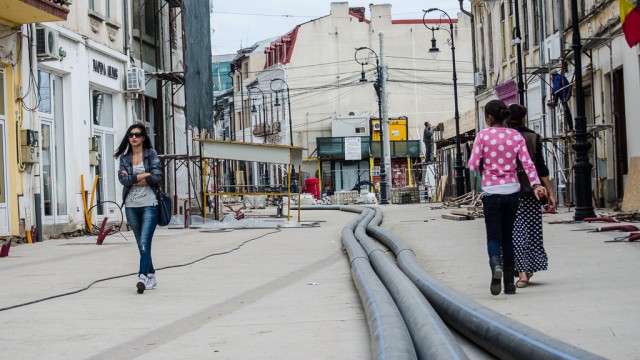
[554, 15]
[490, 37]
[536, 22]
[481, 50]
[101, 6]
[102, 109]
[2, 111]
[2, 135]
[503, 36]
[512, 28]
[149, 18]
[360, 130]
[143, 12]
[525, 28]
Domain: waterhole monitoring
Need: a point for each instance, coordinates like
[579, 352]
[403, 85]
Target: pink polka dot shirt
[498, 148]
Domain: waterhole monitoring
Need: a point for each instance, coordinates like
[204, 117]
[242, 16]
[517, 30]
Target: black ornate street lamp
[456, 115]
[288, 103]
[264, 110]
[582, 167]
[384, 200]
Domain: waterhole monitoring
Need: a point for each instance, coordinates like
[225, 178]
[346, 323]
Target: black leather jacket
[152, 165]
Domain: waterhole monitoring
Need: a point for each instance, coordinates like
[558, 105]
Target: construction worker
[427, 138]
[561, 90]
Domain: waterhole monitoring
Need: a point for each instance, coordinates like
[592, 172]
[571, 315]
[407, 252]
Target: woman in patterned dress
[494, 153]
[530, 255]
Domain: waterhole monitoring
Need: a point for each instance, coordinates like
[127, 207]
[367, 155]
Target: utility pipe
[390, 338]
[496, 333]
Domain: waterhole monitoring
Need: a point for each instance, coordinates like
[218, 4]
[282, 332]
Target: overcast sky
[241, 23]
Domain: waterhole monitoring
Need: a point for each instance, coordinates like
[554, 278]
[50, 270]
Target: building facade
[611, 83]
[324, 79]
[68, 96]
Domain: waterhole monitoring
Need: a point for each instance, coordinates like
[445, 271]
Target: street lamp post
[384, 200]
[288, 104]
[458, 164]
[264, 111]
[518, 42]
[582, 167]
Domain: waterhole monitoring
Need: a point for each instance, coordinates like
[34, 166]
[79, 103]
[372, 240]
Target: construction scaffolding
[558, 144]
[213, 152]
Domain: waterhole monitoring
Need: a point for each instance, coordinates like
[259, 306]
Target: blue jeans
[499, 216]
[143, 221]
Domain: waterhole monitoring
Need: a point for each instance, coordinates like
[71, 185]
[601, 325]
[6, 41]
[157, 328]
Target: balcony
[17, 12]
[333, 147]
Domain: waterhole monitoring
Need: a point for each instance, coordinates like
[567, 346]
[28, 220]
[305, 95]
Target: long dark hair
[498, 110]
[124, 144]
[516, 120]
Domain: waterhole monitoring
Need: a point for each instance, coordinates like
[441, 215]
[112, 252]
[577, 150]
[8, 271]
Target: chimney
[357, 12]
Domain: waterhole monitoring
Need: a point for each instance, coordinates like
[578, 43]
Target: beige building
[319, 64]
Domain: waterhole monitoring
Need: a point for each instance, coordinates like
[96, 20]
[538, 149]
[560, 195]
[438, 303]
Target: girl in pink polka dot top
[498, 148]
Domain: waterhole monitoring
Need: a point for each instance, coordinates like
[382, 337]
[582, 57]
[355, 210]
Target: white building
[317, 62]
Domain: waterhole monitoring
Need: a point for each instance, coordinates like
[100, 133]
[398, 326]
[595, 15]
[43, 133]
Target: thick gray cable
[431, 337]
[390, 338]
[496, 333]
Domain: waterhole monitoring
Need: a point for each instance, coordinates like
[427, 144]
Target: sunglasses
[135, 135]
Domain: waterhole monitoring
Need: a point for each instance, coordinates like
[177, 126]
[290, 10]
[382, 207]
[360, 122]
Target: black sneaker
[496, 281]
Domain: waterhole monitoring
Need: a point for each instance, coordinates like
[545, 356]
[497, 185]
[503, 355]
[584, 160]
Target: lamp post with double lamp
[384, 200]
[277, 90]
[456, 115]
[264, 111]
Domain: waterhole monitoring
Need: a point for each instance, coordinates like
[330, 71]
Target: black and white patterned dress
[530, 255]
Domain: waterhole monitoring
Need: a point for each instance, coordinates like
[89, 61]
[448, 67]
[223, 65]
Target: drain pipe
[390, 338]
[496, 333]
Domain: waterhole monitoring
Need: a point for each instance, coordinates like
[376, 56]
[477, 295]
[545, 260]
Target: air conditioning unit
[479, 80]
[135, 79]
[47, 41]
[376, 126]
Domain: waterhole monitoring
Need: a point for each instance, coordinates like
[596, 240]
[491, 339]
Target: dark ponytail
[518, 113]
[498, 110]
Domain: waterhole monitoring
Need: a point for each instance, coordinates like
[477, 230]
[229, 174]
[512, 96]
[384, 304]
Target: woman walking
[494, 153]
[530, 255]
[140, 170]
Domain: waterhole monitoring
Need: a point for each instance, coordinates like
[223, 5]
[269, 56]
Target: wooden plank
[631, 200]
[442, 184]
[463, 212]
[454, 217]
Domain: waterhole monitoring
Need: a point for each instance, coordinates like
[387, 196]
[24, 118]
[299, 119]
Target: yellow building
[17, 97]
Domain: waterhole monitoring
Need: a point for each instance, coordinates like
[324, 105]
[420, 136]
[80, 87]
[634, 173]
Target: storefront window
[102, 109]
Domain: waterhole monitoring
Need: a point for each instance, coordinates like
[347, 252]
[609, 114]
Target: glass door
[104, 168]
[4, 209]
[52, 151]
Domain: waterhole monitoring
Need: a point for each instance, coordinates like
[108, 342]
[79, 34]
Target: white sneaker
[152, 281]
[141, 284]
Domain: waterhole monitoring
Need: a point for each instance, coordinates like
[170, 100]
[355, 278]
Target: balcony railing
[333, 147]
[33, 11]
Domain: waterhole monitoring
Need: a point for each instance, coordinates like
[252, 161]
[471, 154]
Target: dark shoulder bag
[525, 185]
[164, 206]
